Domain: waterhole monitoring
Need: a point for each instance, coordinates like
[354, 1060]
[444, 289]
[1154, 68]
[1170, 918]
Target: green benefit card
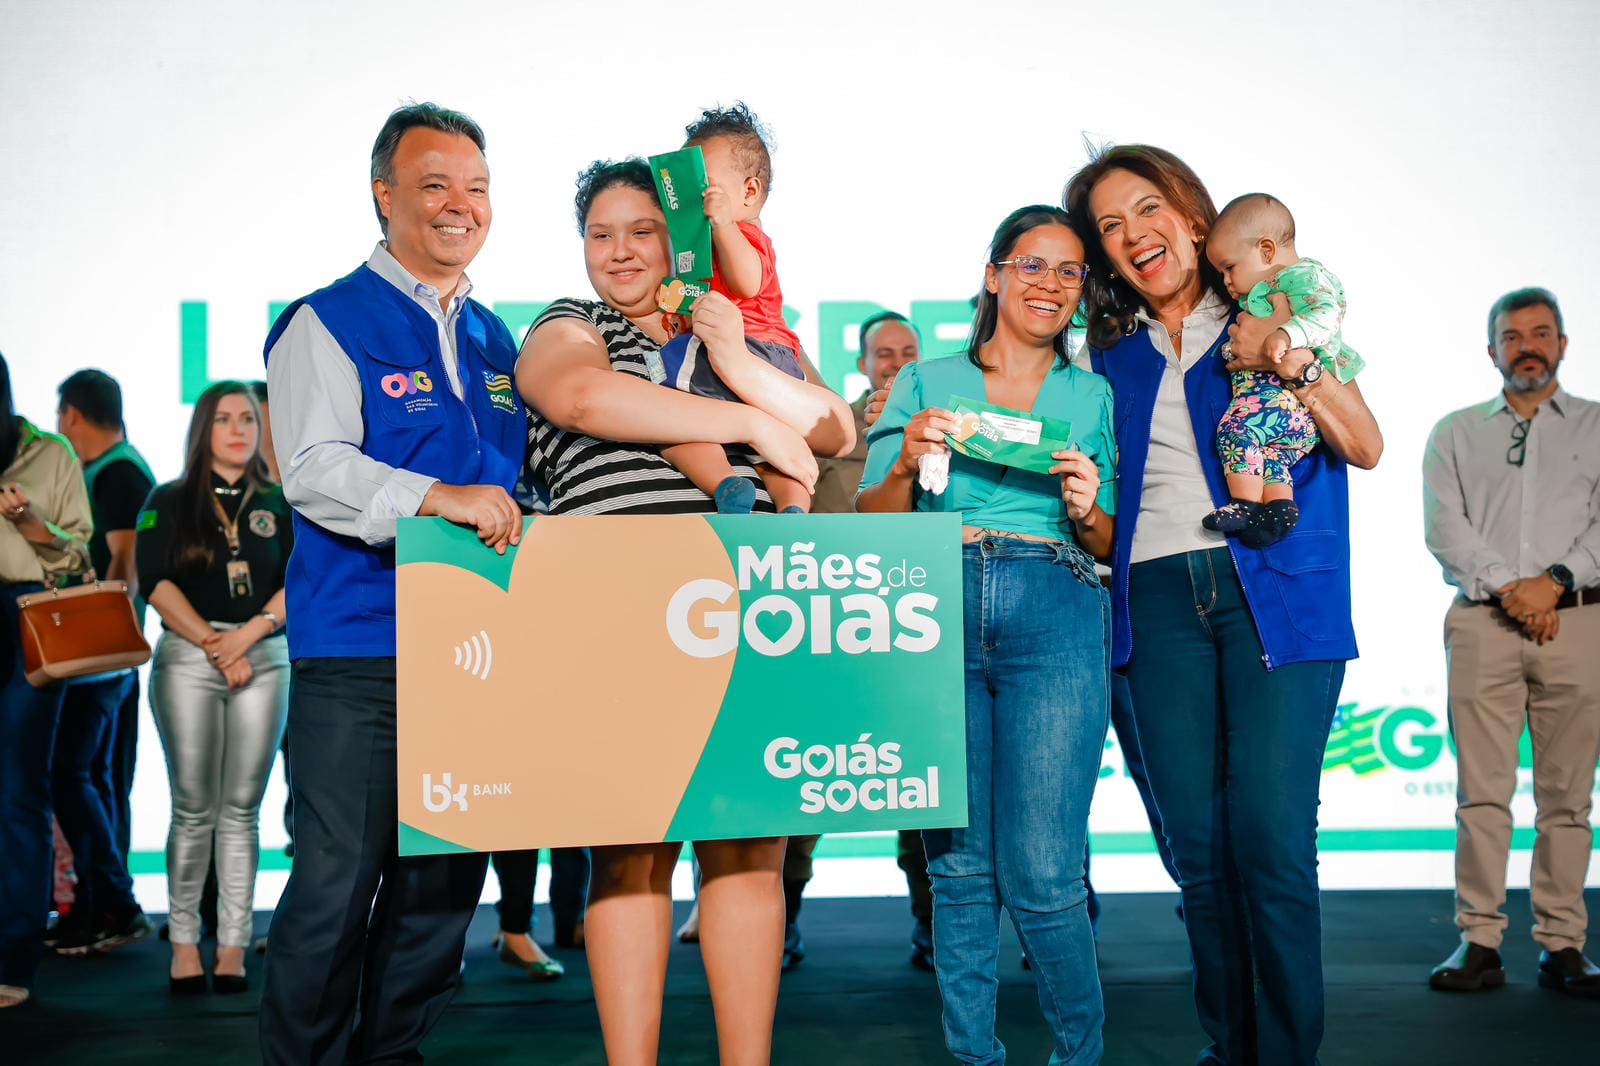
[680, 179]
[1011, 438]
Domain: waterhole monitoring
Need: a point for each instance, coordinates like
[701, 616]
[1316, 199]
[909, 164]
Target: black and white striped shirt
[586, 476]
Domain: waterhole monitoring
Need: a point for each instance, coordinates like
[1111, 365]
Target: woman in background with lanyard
[212, 548]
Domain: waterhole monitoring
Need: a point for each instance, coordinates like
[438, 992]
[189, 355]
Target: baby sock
[1277, 520]
[794, 508]
[735, 495]
[1233, 518]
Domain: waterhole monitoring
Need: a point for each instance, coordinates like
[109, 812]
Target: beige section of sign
[589, 712]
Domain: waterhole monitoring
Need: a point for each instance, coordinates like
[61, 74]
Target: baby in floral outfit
[1266, 430]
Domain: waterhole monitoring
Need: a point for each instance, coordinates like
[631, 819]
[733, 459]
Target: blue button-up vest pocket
[485, 367]
[1300, 565]
[403, 387]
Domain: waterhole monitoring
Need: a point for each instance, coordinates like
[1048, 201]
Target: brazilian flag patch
[147, 520]
[500, 394]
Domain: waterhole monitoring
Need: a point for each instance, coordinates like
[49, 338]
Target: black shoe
[74, 939]
[71, 931]
[188, 986]
[794, 948]
[1469, 968]
[229, 984]
[1568, 971]
[136, 926]
[922, 946]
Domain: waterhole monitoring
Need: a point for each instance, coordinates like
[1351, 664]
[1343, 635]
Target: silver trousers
[220, 744]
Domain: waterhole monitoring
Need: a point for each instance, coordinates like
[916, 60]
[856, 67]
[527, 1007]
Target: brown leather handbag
[75, 632]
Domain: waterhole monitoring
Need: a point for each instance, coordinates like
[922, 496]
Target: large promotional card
[631, 679]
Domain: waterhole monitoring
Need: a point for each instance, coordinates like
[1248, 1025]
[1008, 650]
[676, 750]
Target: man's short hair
[749, 136]
[426, 115]
[1517, 299]
[877, 320]
[95, 395]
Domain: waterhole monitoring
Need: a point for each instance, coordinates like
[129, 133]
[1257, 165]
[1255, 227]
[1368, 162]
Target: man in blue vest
[387, 402]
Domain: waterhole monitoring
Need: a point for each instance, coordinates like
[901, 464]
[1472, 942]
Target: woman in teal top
[1037, 636]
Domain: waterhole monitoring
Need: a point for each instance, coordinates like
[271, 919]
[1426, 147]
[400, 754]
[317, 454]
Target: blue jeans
[83, 786]
[1128, 740]
[1234, 753]
[1037, 647]
[27, 842]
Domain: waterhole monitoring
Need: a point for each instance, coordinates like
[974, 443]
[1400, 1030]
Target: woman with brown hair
[1234, 655]
[212, 548]
[1036, 637]
[597, 425]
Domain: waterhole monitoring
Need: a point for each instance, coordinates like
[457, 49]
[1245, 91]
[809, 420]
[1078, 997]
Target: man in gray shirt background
[1512, 512]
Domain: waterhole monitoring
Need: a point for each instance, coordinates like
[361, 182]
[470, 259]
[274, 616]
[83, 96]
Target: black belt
[1575, 598]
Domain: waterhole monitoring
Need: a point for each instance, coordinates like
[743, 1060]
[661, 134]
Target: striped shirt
[582, 475]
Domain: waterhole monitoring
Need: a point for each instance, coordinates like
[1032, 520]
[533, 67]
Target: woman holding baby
[598, 425]
[1234, 653]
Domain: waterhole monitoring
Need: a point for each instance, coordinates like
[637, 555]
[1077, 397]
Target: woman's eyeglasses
[1032, 269]
[1518, 452]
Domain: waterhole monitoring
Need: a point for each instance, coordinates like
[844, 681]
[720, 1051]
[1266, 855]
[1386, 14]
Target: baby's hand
[719, 206]
[1277, 345]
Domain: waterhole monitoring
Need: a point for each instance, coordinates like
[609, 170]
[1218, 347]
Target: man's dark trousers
[357, 924]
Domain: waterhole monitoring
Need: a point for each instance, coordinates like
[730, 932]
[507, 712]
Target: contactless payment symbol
[475, 655]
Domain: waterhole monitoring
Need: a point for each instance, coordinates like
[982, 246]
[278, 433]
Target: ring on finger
[1227, 351]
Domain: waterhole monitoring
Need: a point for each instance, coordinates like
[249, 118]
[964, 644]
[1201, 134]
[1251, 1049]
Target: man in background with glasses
[1512, 509]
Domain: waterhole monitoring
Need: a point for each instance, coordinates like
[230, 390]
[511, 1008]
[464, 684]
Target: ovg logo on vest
[413, 389]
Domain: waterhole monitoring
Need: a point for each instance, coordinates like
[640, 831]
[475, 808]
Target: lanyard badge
[240, 586]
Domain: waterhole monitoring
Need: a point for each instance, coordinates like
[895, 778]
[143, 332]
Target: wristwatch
[272, 620]
[1310, 374]
[1560, 575]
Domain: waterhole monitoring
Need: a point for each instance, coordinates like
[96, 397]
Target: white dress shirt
[1175, 496]
[315, 393]
[1490, 522]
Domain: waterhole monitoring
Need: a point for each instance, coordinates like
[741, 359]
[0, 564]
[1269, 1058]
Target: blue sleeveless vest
[1298, 589]
[341, 589]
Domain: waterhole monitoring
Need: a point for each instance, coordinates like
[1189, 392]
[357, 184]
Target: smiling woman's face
[625, 249]
[1038, 309]
[1146, 237]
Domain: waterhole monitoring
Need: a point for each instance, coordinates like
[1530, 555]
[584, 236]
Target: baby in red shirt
[744, 269]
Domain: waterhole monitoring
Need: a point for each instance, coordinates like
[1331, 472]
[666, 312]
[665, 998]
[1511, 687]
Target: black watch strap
[1308, 375]
[1561, 574]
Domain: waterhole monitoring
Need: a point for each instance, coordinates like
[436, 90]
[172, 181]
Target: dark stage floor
[856, 999]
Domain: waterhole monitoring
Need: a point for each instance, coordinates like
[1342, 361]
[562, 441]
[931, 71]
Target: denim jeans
[1234, 753]
[1037, 648]
[84, 791]
[27, 842]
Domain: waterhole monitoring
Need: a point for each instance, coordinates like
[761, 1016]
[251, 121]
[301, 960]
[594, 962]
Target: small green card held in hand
[1011, 438]
[680, 179]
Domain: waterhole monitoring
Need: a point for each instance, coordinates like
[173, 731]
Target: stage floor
[857, 1000]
